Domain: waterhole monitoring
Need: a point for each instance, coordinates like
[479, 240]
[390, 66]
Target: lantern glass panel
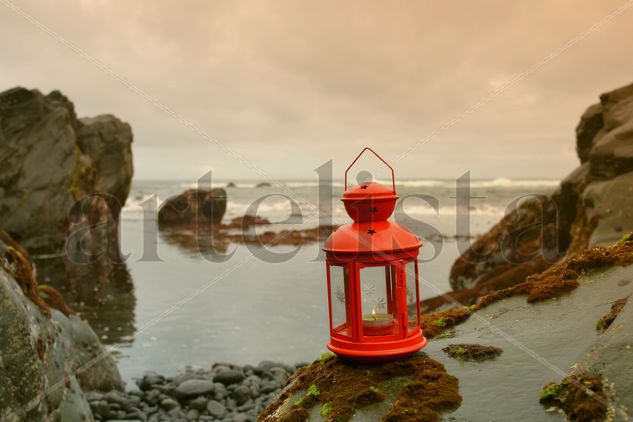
[413, 294]
[379, 302]
[339, 299]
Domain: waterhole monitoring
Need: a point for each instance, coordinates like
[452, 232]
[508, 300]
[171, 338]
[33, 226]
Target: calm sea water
[184, 309]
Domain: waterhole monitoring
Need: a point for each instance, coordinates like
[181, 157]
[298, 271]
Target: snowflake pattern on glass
[340, 295]
[369, 292]
[380, 304]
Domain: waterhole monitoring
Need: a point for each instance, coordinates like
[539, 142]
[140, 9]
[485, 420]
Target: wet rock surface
[48, 358]
[226, 392]
[543, 342]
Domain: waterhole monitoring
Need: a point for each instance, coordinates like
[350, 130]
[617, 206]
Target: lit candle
[376, 324]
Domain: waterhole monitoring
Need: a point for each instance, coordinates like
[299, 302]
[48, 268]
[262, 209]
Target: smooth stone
[279, 373]
[269, 387]
[137, 415]
[102, 409]
[240, 417]
[117, 398]
[193, 388]
[169, 404]
[215, 408]
[241, 394]
[228, 377]
[149, 380]
[199, 403]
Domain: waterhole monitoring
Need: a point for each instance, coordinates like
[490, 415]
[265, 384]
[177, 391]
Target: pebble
[199, 403]
[169, 404]
[217, 409]
[194, 388]
[229, 376]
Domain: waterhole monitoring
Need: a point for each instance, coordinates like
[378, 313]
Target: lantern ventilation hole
[373, 210]
[371, 232]
[363, 187]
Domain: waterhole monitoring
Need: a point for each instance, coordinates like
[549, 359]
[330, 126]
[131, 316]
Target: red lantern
[372, 278]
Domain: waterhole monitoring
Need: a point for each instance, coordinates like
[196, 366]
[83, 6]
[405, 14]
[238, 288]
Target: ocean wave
[501, 182]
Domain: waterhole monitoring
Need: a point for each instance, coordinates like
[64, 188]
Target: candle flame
[373, 313]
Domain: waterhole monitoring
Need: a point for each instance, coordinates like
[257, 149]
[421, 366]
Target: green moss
[626, 238]
[550, 391]
[374, 389]
[440, 322]
[324, 357]
[368, 373]
[313, 391]
[325, 409]
[460, 352]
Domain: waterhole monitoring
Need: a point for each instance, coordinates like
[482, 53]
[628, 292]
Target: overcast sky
[285, 86]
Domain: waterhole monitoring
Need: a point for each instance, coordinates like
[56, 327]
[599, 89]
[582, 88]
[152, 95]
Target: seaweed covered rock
[50, 160]
[546, 327]
[48, 358]
[590, 207]
[581, 397]
[193, 208]
[331, 389]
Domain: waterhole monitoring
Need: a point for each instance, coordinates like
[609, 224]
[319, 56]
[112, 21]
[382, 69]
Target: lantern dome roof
[374, 237]
[371, 201]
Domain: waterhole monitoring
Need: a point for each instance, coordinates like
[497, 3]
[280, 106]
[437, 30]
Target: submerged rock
[193, 208]
[475, 352]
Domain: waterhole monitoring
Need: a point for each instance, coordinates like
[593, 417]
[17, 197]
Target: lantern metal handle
[393, 177]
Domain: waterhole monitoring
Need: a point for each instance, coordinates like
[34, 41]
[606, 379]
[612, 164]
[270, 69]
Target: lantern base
[377, 351]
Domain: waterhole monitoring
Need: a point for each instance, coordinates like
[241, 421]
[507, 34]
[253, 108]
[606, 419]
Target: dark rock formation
[50, 160]
[193, 208]
[108, 142]
[48, 358]
[592, 206]
[39, 156]
[591, 122]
